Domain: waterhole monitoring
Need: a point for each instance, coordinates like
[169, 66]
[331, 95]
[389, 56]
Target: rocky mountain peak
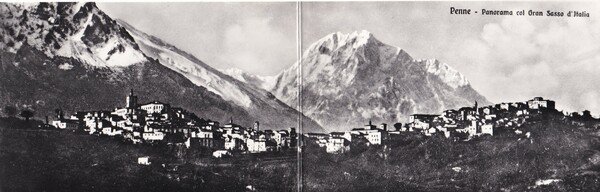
[78, 30]
[348, 79]
[65, 52]
[339, 40]
[445, 72]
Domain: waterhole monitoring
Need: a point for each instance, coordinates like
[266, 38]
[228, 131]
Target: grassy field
[50, 160]
[507, 162]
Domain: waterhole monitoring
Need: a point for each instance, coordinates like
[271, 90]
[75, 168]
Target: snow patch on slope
[55, 38]
[264, 82]
[101, 56]
[194, 72]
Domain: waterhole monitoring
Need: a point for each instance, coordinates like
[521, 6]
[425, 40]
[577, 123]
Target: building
[285, 138]
[316, 135]
[520, 105]
[111, 131]
[66, 124]
[488, 110]
[221, 153]
[256, 145]
[421, 121]
[155, 107]
[477, 128]
[337, 145]
[234, 144]
[505, 106]
[522, 112]
[373, 136]
[145, 160]
[210, 143]
[157, 121]
[487, 129]
[203, 133]
[232, 125]
[153, 136]
[345, 135]
[541, 103]
[430, 131]
[450, 114]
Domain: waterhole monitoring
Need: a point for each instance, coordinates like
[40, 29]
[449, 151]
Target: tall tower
[131, 100]
[60, 115]
[476, 109]
[256, 126]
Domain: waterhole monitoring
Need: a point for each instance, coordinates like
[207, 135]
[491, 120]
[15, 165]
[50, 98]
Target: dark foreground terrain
[50, 160]
[560, 155]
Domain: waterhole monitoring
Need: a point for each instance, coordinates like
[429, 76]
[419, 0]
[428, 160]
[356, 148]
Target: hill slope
[556, 156]
[74, 56]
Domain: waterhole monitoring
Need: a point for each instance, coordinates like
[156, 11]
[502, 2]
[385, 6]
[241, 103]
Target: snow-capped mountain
[253, 98]
[78, 30]
[349, 79]
[74, 56]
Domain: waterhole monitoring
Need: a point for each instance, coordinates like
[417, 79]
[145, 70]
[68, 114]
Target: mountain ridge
[209, 77]
[349, 79]
[96, 42]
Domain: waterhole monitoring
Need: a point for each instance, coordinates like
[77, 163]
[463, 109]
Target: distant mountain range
[74, 56]
[349, 79]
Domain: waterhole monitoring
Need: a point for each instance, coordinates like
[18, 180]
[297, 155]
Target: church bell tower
[131, 100]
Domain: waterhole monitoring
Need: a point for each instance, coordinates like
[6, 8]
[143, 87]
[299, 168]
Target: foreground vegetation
[554, 148]
[52, 160]
[557, 149]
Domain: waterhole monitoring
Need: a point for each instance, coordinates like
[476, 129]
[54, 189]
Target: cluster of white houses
[339, 142]
[465, 122]
[476, 121]
[157, 122]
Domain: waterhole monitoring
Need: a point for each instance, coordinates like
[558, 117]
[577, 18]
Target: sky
[506, 58]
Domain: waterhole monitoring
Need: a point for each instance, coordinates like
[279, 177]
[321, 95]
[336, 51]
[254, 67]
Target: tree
[10, 111]
[398, 126]
[26, 114]
[587, 115]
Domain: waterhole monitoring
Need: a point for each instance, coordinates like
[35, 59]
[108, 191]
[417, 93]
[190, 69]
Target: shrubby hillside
[559, 155]
[50, 160]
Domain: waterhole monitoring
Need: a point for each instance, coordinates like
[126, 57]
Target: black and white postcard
[300, 96]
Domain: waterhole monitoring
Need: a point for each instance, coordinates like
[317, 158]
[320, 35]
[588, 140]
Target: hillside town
[160, 123]
[462, 124]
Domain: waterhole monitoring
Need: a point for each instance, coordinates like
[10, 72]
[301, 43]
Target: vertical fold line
[299, 77]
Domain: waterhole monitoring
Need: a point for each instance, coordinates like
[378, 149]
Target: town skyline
[155, 121]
